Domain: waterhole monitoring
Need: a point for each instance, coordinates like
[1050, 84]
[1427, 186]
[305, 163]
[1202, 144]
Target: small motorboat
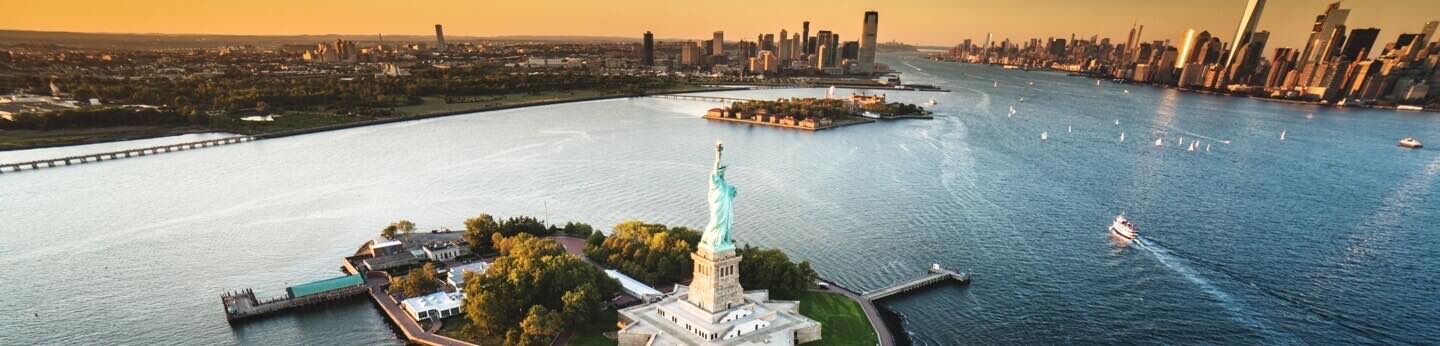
[932, 102]
[1159, 142]
[1411, 142]
[1124, 228]
[1044, 136]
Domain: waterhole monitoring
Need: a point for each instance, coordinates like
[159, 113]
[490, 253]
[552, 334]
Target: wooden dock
[242, 305]
[937, 275]
[122, 154]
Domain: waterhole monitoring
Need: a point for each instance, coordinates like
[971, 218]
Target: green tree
[404, 227]
[478, 230]
[540, 325]
[418, 282]
[580, 305]
[530, 271]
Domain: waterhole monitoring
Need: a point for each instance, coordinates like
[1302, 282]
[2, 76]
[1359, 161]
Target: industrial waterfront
[1320, 238]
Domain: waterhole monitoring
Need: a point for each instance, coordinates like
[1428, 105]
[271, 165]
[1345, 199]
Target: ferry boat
[1411, 142]
[1124, 228]
[932, 102]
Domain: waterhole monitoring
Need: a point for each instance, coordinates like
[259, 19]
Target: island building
[714, 309]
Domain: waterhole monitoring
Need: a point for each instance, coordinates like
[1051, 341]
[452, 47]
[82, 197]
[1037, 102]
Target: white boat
[1117, 122]
[831, 93]
[1097, 82]
[1044, 136]
[1207, 147]
[932, 102]
[871, 115]
[1159, 142]
[1012, 110]
[1022, 100]
[1409, 108]
[1124, 228]
[1282, 135]
[997, 84]
[1411, 142]
[1069, 129]
[1127, 91]
[1192, 147]
[1122, 137]
[1181, 142]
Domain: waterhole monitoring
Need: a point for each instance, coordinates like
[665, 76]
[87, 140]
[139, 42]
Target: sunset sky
[921, 22]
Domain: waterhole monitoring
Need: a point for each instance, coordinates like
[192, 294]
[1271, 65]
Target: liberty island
[715, 309]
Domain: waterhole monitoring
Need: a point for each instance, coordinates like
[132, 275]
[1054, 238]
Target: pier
[242, 304]
[937, 275]
[122, 154]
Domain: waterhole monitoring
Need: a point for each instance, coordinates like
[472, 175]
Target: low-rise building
[456, 277]
[441, 251]
[433, 306]
[633, 287]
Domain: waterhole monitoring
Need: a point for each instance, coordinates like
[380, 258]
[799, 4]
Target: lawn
[842, 321]
[594, 334]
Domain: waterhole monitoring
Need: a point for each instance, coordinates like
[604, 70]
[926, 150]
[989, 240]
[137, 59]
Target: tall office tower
[1197, 48]
[822, 54]
[708, 47]
[821, 39]
[1129, 45]
[719, 48]
[850, 50]
[1321, 33]
[1247, 59]
[440, 36]
[767, 42]
[1248, 21]
[1187, 44]
[1429, 31]
[783, 47]
[797, 46]
[1360, 43]
[647, 55]
[867, 42]
[805, 37]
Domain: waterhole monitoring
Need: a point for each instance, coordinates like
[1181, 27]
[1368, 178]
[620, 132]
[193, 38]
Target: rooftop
[323, 286]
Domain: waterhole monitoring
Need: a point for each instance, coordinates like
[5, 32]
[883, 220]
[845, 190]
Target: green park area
[842, 321]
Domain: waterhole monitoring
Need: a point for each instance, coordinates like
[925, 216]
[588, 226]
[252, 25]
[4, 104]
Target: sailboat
[1207, 147]
[1282, 135]
[1097, 82]
[1069, 129]
[1012, 110]
[1044, 136]
[1117, 122]
[1022, 100]
[1122, 137]
[1192, 147]
[830, 94]
[997, 84]
[1160, 142]
[1181, 141]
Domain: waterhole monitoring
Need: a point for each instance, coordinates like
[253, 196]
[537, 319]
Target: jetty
[242, 304]
[122, 154]
[937, 275]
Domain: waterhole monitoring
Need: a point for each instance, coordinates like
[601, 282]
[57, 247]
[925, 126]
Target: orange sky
[937, 22]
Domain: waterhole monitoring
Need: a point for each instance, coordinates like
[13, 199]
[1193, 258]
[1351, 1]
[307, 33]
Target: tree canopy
[652, 253]
[533, 287]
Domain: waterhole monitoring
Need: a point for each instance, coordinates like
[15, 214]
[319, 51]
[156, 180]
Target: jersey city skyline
[915, 22]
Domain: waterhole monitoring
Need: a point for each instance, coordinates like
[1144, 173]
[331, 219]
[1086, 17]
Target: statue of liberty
[717, 233]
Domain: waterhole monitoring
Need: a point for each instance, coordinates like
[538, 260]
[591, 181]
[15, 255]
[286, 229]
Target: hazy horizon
[915, 22]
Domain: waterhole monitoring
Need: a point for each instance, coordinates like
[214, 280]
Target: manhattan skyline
[916, 22]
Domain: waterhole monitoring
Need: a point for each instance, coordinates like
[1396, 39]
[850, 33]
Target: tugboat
[1411, 142]
[1124, 228]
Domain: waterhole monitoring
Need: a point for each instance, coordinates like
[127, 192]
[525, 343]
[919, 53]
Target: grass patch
[21, 139]
[594, 334]
[459, 328]
[842, 321]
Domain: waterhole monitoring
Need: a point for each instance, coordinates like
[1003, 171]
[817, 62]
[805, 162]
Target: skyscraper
[805, 37]
[440, 37]
[719, 43]
[1248, 59]
[783, 47]
[1320, 34]
[1360, 44]
[1429, 31]
[867, 42]
[647, 55]
[1187, 44]
[1248, 21]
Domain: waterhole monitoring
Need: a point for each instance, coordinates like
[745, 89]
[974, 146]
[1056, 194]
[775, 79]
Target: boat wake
[1196, 135]
[912, 66]
[1179, 266]
[1360, 327]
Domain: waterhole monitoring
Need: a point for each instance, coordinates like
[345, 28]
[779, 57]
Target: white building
[433, 306]
[456, 278]
[441, 251]
[633, 287]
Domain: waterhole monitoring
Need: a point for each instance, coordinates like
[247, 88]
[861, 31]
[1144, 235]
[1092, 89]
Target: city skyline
[909, 21]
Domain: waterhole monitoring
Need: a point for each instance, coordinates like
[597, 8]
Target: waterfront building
[434, 306]
[1241, 70]
[1243, 33]
[1188, 43]
[634, 288]
[689, 54]
[456, 275]
[867, 42]
[647, 52]
[441, 251]
[440, 37]
[715, 309]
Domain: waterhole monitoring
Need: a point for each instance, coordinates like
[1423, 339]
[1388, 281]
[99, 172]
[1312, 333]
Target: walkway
[376, 281]
[872, 312]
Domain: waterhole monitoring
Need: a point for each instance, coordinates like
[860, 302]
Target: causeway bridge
[121, 154]
[699, 98]
[937, 275]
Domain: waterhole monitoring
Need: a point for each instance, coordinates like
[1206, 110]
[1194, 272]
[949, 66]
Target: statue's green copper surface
[717, 233]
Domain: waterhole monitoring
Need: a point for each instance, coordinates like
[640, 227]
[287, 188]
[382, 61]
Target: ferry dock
[243, 304]
[937, 275]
